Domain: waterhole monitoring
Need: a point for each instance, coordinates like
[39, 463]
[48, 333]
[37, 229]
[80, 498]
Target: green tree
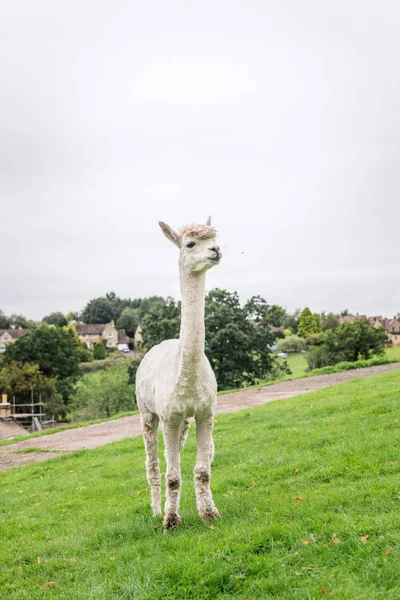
[317, 324]
[161, 323]
[292, 321]
[22, 379]
[238, 339]
[56, 318]
[257, 310]
[5, 321]
[355, 341]
[98, 310]
[329, 321]
[308, 324]
[129, 320]
[54, 349]
[99, 351]
[20, 321]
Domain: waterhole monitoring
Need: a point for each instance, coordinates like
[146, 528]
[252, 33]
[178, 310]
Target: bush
[291, 343]
[86, 355]
[99, 352]
[347, 365]
[317, 358]
[104, 394]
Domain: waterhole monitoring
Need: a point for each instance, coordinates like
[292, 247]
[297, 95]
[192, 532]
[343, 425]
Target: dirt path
[93, 436]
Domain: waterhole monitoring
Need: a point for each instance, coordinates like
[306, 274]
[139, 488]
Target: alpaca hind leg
[202, 471]
[172, 476]
[184, 433]
[150, 427]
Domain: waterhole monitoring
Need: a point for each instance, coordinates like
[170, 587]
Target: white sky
[280, 119]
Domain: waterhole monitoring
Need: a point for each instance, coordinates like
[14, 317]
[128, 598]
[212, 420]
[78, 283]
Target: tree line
[240, 342]
[125, 312]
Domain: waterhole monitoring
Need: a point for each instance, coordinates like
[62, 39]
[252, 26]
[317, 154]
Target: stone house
[91, 334]
[9, 336]
[392, 327]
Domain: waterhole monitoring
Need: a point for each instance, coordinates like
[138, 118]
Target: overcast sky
[281, 119]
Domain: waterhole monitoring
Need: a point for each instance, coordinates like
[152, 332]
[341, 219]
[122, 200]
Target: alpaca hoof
[171, 520]
[157, 511]
[210, 514]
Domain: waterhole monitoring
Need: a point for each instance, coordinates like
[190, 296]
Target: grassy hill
[309, 490]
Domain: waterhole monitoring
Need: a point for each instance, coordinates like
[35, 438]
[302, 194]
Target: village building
[91, 334]
[392, 327]
[9, 336]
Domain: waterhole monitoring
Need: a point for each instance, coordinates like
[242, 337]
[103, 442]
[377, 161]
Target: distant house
[91, 334]
[9, 336]
[392, 327]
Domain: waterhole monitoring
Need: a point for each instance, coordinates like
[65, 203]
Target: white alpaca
[175, 383]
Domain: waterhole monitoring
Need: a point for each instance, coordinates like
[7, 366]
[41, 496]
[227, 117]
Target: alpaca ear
[208, 222]
[170, 234]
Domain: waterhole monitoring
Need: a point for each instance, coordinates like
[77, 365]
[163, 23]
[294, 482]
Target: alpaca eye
[190, 245]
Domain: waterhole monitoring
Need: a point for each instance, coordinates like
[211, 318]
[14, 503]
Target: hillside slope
[309, 494]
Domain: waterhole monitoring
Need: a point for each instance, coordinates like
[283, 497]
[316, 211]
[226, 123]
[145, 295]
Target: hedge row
[347, 366]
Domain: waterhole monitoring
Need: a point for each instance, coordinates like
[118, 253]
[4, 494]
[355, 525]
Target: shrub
[86, 355]
[317, 358]
[99, 352]
[291, 343]
[347, 365]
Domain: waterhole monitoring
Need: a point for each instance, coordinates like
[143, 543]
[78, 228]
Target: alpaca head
[198, 248]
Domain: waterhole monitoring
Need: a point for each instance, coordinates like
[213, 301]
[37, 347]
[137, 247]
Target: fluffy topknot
[200, 232]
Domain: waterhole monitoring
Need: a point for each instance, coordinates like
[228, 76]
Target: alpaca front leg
[172, 477]
[202, 471]
[152, 462]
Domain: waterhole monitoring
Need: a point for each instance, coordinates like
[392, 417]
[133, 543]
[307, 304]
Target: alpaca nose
[216, 249]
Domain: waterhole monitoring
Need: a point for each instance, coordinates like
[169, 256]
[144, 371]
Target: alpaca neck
[192, 334]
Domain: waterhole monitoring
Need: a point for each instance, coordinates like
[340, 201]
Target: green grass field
[297, 364]
[393, 353]
[308, 488]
